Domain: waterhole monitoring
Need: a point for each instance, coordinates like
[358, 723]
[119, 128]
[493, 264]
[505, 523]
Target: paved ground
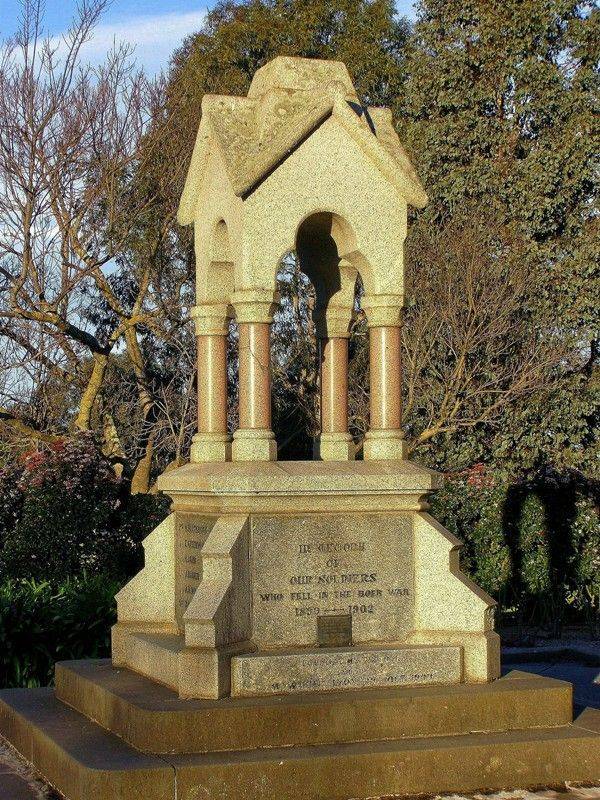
[19, 782]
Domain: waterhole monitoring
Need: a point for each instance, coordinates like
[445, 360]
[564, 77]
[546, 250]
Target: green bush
[68, 497]
[584, 595]
[40, 625]
[533, 545]
[63, 512]
[471, 505]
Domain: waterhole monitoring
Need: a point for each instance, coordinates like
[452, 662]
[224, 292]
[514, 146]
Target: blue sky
[155, 27]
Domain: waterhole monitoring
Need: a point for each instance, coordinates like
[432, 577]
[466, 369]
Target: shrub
[533, 545]
[62, 513]
[40, 625]
[585, 590]
[69, 494]
[470, 504]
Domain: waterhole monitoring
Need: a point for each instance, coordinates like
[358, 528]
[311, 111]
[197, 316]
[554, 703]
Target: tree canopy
[497, 105]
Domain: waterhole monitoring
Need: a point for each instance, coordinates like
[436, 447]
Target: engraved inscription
[345, 669]
[305, 568]
[191, 533]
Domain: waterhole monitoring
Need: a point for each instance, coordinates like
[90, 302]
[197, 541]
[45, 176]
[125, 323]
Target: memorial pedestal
[279, 577]
[300, 631]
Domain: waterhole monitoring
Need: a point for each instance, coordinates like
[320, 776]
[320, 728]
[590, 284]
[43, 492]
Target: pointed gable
[287, 100]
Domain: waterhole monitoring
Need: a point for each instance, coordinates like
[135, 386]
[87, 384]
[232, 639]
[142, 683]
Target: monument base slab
[327, 669]
[110, 733]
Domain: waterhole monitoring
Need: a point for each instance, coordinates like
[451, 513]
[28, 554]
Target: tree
[77, 187]
[499, 112]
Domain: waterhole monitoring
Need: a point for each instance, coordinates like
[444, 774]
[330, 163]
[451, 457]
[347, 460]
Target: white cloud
[153, 37]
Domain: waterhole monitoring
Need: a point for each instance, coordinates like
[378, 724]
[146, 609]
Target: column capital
[333, 322]
[383, 310]
[254, 305]
[211, 319]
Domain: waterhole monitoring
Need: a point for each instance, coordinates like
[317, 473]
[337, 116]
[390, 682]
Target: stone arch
[326, 248]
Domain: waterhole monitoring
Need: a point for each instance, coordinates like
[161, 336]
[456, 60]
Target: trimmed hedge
[534, 545]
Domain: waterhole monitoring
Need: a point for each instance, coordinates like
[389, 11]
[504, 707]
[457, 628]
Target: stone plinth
[276, 591]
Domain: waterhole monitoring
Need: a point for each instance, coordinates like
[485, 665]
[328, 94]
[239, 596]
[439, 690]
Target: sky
[155, 27]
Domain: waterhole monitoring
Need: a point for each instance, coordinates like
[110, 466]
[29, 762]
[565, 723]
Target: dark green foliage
[63, 513]
[584, 595]
[499, 111]
[471, 506]
[534, 546]
[40, 625]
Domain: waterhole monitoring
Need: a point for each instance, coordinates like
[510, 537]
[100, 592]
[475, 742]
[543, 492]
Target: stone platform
[110, 733]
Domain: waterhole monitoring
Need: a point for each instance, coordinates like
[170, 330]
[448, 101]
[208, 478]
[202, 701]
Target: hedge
[41, 624]
[534, 545]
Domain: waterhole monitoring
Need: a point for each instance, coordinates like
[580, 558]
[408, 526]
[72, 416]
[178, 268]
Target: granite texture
[299, 164]
[322, 565]
[263, 577]
[83, 760]
[331, 669]
[153, 718]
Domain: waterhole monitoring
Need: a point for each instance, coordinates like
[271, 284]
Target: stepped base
[513, 733]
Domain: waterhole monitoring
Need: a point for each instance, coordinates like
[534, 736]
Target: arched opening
[294, 360]
[317, 284]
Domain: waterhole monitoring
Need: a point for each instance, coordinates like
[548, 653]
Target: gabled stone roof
[287, 100]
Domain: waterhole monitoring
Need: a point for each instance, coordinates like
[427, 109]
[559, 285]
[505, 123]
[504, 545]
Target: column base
[334, 447]
[386, 445]
[210, 447]
[254, 445]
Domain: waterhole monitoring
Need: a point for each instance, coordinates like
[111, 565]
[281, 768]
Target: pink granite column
[384, 439]
[254, 440]
[211, 442]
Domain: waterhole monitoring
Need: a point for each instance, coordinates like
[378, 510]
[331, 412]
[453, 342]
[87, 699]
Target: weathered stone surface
[83, 761]
[78, 757]
[299, 486]
[152, 718]
[312, 566]
[191, 532]
[330, 669]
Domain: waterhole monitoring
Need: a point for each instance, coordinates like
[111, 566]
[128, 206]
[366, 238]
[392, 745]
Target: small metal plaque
[334, 630]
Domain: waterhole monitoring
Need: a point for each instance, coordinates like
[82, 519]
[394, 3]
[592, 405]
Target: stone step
[78, 757]
[153, 718]
[84, 761]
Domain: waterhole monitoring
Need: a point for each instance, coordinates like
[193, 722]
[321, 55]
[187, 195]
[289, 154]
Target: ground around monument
[574, 661]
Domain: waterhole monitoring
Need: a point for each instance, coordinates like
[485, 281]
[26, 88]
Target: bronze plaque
[334, 630]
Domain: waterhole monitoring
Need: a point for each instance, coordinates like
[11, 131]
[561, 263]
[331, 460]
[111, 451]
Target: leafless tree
[83, 223]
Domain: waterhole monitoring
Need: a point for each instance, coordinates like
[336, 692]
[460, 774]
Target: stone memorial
[300, 630]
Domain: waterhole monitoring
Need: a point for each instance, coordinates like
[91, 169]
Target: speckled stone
[312, 566]
[289, 672]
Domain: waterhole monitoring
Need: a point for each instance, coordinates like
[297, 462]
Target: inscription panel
[191, 532]
[344, 668]
[307, 567]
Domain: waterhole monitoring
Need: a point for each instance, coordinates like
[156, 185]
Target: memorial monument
[300, 630]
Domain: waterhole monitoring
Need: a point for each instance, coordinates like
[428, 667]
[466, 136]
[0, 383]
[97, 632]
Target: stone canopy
[300, 164]
[288, 99]
[301, 126]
